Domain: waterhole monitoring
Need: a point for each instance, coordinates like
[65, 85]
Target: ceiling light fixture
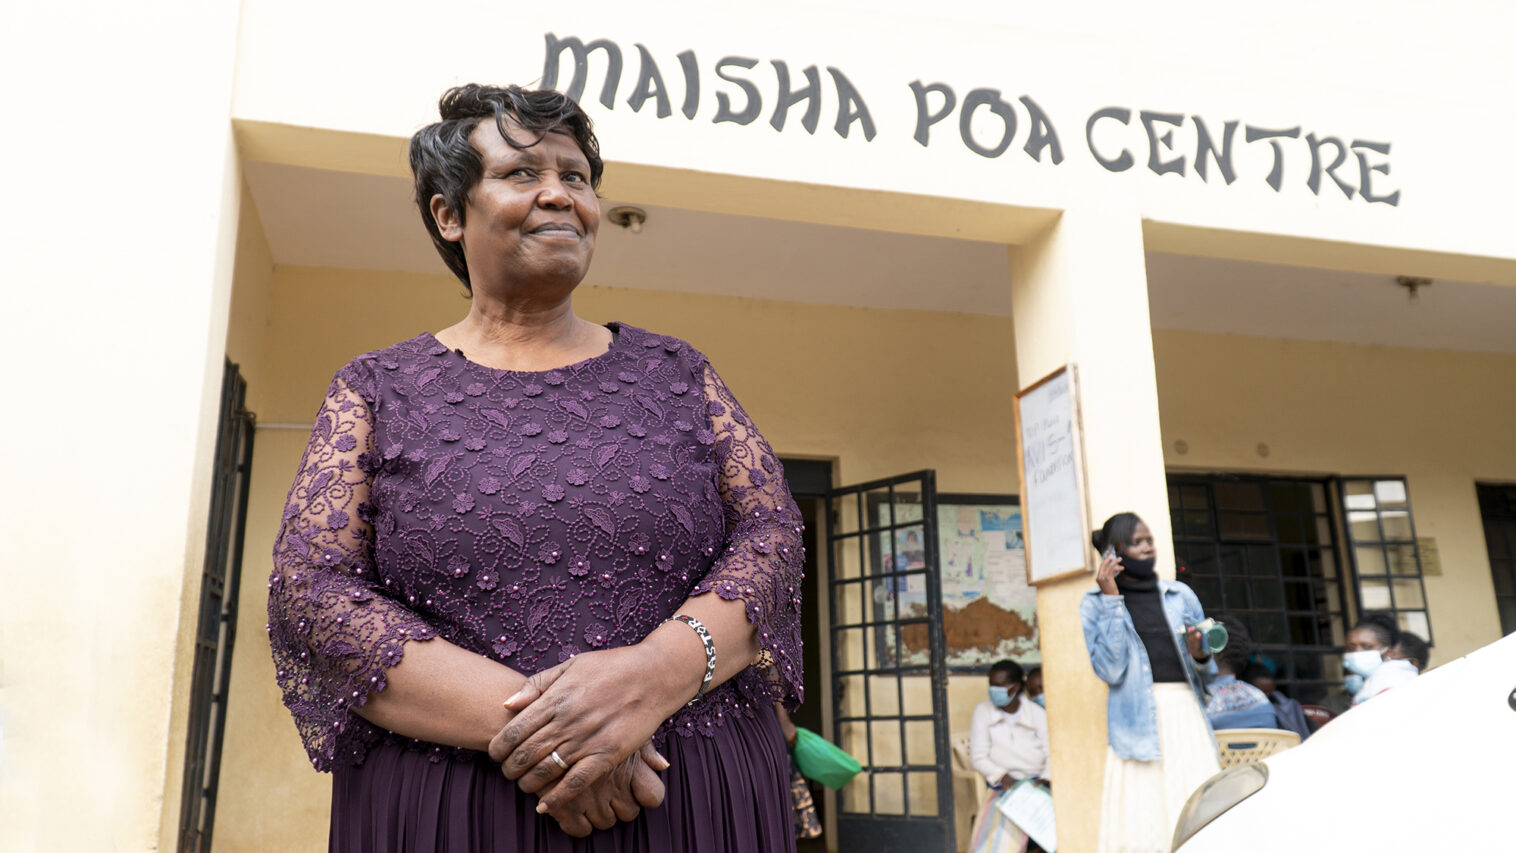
[630, 218]
[1412, 284]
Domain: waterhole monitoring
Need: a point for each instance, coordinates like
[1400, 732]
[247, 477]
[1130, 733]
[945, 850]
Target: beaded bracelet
[710, 651]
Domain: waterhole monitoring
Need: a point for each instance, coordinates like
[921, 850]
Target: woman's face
[1141, 547]
[1363, 640]
[531, 221]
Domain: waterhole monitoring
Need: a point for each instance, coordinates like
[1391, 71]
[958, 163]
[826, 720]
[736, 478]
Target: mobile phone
[1110, 551]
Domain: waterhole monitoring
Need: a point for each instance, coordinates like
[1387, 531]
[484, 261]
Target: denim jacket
[1121, 661]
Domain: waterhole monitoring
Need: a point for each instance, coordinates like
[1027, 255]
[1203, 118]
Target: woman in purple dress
[490, 609]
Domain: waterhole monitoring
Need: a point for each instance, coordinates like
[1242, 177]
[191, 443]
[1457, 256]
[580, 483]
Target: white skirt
[1142, 799]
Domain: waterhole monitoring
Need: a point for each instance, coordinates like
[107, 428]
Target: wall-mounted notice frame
[1050, 463]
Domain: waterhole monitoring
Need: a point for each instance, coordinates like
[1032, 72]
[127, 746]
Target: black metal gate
[217, 626]
[889, 674]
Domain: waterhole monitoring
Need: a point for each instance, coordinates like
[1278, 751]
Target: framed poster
[1050, 463]
[989, 612]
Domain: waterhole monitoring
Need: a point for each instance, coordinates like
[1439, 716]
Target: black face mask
[1137, 570]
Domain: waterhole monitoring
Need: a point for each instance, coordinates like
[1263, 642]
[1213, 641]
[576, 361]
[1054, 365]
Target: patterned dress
[529, 517]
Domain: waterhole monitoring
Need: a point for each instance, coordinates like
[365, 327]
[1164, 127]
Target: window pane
[1416, 622]
[1324, 564]
[1403, 560]
[1236, 591]
[1299, 595]
[1194, 497]
[1370, 560]
[1303, 630]
[1290, 497]
[1291, 528]
[1232, 564]
[1396, 524]
[1266, 595]
[1375, 593]
[1408, 595]
[1390, 493]
[889, 793]
[923, 790]
[1358, 494]
[1197, 523]
[1240, 525]
[1271, 629]
[1363, 526]
[1262, 562]
[1295, 564]
[1208, 590]
[1239, 495]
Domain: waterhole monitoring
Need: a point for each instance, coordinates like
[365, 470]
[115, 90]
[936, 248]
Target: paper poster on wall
[988, 610]
[1051, 465]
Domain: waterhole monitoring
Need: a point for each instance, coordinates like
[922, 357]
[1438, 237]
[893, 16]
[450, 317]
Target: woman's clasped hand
[597, 711]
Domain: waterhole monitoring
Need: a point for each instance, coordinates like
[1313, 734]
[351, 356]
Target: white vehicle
[1426, 766]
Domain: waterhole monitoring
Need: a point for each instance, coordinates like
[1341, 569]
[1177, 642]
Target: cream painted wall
[1326, 70]
[827, 382]
[117, 269]
[1440, 418]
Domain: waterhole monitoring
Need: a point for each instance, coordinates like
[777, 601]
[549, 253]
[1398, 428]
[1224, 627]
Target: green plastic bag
[820, 760]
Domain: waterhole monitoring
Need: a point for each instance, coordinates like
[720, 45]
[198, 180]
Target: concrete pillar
[1079, 295]
[116, 259]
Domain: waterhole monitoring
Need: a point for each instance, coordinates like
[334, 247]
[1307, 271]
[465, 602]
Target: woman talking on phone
[1143, 643]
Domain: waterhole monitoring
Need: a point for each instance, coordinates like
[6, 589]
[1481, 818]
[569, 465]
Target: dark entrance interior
[1497, 505]
[809, 482]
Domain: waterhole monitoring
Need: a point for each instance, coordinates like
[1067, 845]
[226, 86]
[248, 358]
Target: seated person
[1034, 686]
[1008, 737]
[1288, 714]
[1370, 659]
[1235, 704]
[1408, 647]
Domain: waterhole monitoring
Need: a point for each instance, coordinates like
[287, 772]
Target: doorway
[1497, 507]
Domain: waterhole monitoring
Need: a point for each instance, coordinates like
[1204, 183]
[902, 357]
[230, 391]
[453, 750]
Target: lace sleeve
[333, 630]
[764, 555]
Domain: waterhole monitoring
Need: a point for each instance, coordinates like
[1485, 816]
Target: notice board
[1050, 462]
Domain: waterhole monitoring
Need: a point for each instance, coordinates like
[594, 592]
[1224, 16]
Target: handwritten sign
[1052, 477]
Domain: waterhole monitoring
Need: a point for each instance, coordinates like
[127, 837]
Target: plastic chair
[969, 791]
[1242, 746]
[1317, 715]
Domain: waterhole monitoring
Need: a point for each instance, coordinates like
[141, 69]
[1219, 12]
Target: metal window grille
[1381, 538]
[216, 628]
[1264, 549]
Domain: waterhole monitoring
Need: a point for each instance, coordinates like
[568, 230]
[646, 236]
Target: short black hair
[1414, 648]
[444, 161]
[1239, 644]
[1383, 627]
[1119, 530]
[1036, 670]
[1011, 668]
[1254, 671]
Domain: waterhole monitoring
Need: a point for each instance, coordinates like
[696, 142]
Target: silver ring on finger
[558, 760]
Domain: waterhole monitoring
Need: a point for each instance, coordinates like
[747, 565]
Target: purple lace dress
[529, 517]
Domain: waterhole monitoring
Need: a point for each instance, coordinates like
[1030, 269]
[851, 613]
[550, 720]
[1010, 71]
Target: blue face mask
[1041, 699]
[1000, 696]
[1352, 683]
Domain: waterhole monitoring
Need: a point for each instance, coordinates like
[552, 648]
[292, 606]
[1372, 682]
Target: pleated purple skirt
[728, 793]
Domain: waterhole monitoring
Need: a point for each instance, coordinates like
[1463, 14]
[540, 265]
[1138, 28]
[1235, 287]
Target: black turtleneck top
[1145, 603]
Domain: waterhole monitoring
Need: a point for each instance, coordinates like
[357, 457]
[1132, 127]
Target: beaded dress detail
[529, 517]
